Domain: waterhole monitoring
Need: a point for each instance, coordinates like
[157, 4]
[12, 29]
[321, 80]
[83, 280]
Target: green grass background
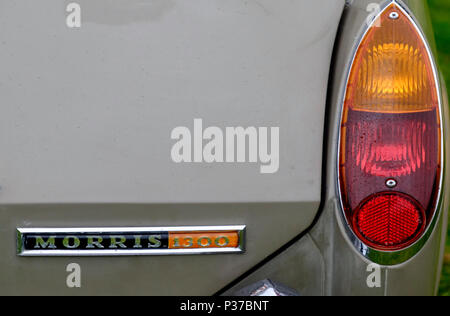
[440, 15]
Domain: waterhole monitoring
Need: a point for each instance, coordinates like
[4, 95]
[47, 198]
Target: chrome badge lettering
[129, 241]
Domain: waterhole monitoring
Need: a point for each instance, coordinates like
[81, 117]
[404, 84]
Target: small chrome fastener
[394, 15]
[391, 183]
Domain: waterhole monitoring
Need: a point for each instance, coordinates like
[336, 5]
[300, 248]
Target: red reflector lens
[390, 219]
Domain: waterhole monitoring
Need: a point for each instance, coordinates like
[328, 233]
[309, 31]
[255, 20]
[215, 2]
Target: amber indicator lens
[390, 146]
[187, 240]
[392, 71]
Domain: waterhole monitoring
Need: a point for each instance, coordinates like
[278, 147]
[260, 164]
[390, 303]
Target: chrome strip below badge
[127, 241]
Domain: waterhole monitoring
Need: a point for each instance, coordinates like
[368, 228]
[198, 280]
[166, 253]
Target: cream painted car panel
[86, 117]
[87, 113]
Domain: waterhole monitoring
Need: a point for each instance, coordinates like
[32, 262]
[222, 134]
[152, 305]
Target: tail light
[390, 144]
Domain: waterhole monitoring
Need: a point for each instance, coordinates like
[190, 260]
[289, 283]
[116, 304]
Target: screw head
[391, 183]
[394, 15]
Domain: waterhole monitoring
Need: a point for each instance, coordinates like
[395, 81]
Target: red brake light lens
[390, 147]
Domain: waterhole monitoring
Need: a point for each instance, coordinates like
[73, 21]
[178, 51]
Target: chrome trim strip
[389, 258]
[21, 232]
[130, 253]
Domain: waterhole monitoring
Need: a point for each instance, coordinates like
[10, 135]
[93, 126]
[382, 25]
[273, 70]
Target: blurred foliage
[440, 16]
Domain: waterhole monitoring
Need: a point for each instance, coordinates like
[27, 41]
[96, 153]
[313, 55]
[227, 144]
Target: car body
[87, 116]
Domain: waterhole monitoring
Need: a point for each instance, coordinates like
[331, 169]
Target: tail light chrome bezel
[391, 257]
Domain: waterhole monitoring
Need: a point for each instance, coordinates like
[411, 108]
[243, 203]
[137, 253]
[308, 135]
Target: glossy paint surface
[86, 121]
